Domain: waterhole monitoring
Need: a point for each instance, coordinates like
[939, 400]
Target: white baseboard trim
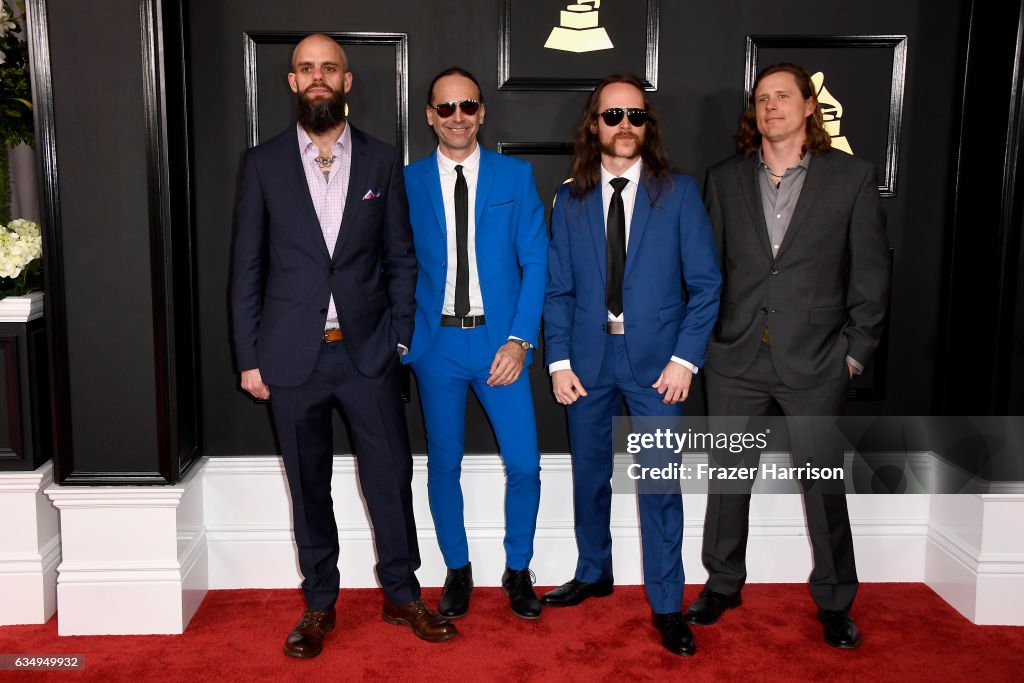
[251, 546]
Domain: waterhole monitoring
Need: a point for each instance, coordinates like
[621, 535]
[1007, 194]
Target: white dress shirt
[471, 170]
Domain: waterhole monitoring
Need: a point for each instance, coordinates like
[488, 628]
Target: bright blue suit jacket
[511, 249]
[670, 287]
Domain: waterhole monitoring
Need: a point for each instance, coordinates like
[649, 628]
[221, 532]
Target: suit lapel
[484, 178]
[638, 224]
[357, 181]
[747, 179]
[595, 219]
[298, 187]
[430, 176]
[814, 186]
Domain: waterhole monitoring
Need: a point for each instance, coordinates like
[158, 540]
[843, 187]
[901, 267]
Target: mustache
[318, 85]
[626, 136]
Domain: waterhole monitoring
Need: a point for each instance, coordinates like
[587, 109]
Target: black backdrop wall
[149, 143]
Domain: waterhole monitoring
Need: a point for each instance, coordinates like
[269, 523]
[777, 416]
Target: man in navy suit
[481, 244]
[631, 300]
[322, 284]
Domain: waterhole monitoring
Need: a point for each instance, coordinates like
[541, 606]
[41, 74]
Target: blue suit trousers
[661, 514]
[457, 360]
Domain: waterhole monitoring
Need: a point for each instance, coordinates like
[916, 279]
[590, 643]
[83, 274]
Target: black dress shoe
[458, 586]
[676, 635]
[708, 607]
[518, 586]
[574, 592]
[306, 640]
[840, 631]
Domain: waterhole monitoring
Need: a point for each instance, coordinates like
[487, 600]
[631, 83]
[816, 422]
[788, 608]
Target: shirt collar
[805, 161]
[632, 174]
[470, 163]
[343, 142]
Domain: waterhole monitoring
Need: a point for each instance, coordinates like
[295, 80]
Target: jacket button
[764, 309]
[775, 271]
[333, 271]
[323, 311]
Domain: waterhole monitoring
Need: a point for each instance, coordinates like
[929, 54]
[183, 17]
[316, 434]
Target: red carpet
[909, 634]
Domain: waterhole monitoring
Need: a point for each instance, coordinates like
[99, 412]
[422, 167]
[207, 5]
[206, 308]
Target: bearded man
[322, 295]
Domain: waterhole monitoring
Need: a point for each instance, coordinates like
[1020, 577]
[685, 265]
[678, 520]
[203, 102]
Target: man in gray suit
[805, 259]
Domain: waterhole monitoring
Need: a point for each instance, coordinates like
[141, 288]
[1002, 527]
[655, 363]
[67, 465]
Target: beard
[320, 114]
[611, 149]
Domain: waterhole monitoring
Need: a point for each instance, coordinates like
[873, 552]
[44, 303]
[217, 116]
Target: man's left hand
[853, 370]
[674, 383]
[507, 364]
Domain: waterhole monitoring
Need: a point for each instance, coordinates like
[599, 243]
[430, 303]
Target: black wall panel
[699, 95]
[148, 167]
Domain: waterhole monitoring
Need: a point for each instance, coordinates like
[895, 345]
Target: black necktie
[461, 244]
[616, 248]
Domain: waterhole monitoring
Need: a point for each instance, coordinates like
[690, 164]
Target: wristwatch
[523, 344]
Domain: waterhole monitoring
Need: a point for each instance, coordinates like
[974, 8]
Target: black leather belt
[467, 323]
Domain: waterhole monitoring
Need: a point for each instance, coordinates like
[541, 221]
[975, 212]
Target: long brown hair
[586, 162]
[748, 138]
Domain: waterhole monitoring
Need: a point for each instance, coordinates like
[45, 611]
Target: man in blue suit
[322, 281]
[481, 244]
[631, 301]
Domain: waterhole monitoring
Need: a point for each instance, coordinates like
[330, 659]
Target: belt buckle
[471, 318]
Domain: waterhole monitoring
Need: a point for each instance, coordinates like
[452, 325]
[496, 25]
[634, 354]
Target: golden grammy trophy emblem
[579, 29]
[832, 113]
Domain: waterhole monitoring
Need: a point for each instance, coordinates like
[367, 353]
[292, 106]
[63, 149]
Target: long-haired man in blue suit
[322, 281]
[631, 301]
[481, 245]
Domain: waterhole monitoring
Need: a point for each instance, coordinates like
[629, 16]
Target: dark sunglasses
[613, 116]
[446, 109]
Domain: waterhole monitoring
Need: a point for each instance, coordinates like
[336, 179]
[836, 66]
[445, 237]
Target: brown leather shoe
[423, 622]
[307, 638]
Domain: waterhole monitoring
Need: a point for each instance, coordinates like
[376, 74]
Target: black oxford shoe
[708, 607]
[840, 631]
[458, 586]
[574, 592]
[518, 586]
[676, 635]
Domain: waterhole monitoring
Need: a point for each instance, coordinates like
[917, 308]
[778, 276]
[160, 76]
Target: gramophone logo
[832, 112]
[579, 30]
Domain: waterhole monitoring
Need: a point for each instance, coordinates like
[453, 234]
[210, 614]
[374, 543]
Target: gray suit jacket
[824, 295]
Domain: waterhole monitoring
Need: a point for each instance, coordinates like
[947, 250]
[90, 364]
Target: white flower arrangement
[21, 251]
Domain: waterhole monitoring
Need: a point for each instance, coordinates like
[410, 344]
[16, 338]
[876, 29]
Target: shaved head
[319, 40]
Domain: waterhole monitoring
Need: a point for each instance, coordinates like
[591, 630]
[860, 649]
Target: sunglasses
[613, 116]
[446, 109]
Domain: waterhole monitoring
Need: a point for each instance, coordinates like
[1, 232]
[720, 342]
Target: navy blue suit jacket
[283, 275]
[511, 247]
[670, 287]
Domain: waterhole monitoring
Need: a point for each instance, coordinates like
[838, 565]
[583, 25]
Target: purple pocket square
[371, 194]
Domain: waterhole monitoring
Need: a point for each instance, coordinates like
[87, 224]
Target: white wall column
[134, 558]
[29, 547]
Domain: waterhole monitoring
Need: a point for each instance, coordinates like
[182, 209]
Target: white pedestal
[134, 557]
[975, 555]
[29, 547]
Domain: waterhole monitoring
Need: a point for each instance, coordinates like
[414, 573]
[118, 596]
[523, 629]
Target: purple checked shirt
[328, 194]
